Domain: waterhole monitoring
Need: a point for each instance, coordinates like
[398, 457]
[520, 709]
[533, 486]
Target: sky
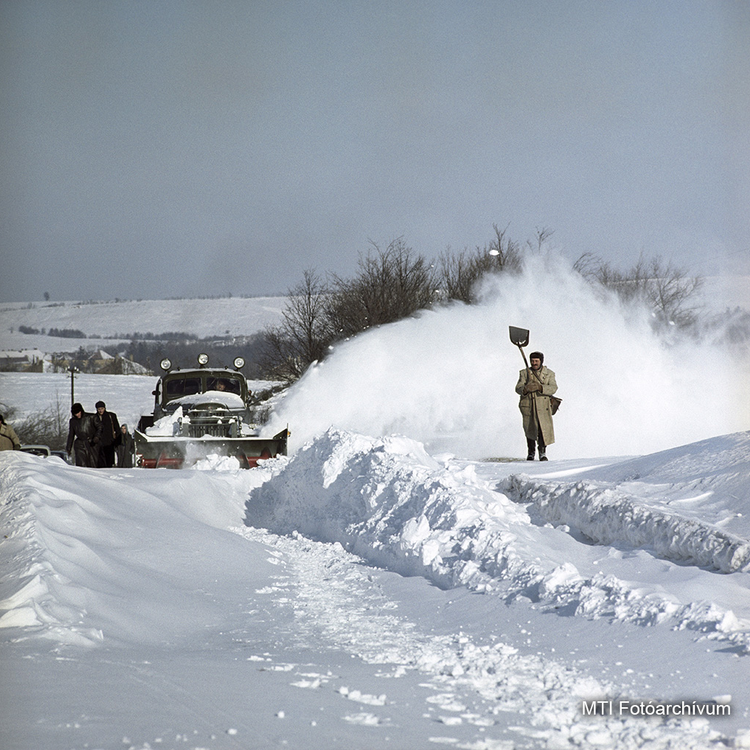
[183, 148]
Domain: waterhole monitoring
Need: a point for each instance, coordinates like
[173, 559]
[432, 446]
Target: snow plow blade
[155, 452]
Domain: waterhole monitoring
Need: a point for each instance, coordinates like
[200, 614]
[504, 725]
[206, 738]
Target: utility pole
[72, 370]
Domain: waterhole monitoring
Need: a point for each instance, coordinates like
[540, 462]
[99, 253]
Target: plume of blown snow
[446, 377]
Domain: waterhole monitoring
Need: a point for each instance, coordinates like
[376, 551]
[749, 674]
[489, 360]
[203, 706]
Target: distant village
[99, 362]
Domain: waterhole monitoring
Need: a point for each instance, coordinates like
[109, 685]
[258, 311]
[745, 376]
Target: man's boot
[542, 453]
[531, 446]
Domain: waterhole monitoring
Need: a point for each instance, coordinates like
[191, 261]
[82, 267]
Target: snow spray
[446, 377]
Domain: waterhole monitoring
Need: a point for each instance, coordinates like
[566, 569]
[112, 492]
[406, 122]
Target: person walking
[109, 435]
[8, 439]
[82, 437]
[125, 449]
[535, 386]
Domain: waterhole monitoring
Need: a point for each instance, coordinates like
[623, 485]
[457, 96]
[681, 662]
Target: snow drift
[387, 500]
[83, 564]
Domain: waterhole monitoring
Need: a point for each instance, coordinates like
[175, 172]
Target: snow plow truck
[199, 412]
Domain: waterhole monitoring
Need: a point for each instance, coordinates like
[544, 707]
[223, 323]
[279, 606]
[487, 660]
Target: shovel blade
[518, 336]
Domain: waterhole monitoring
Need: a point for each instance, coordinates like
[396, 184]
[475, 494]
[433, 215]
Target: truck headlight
[239, 363]
[166, 364]
[203, 359]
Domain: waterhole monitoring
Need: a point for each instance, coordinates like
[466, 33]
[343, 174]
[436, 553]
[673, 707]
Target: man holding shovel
[535, 386]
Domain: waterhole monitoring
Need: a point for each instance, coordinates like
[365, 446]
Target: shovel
[520, 337]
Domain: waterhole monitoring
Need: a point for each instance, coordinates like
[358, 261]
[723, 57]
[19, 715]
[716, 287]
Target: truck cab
[201, 411]
[198, 389]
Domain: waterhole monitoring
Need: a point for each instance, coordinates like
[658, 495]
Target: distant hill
[105, 323]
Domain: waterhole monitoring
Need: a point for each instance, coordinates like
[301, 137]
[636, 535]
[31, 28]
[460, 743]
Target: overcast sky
[160, 148]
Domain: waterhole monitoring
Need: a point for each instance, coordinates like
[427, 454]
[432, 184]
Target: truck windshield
[177, 387]
[224, 383]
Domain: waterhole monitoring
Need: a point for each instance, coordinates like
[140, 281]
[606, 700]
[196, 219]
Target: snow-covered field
[373, 590]
[108, 323]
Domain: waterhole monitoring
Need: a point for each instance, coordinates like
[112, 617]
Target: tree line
[394, 282]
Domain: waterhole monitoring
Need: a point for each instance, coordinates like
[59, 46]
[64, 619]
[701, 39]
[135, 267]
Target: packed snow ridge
[608, 516]
[388, 501]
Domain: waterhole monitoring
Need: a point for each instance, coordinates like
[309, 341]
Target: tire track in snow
[535, 700]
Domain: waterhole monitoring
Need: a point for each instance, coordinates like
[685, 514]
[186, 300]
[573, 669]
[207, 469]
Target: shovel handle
[523, 354]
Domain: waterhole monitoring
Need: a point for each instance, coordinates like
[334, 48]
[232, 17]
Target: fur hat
[101, 403]
[537, 355]
[75, 409]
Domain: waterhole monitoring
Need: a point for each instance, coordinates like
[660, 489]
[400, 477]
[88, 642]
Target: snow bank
[607, 516]
[387, 500]
[690, 504]
[94, 554]
[708, 479]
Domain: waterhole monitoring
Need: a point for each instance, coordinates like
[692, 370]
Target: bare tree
[304, 334]
[47, 427]
[668, 291]
[391, 284]
[460, 274]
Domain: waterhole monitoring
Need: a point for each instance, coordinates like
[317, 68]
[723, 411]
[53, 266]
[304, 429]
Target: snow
[120, 318]
[364, 593]
[385, 585]
[168, 425]
[106, 324]
[230, 400]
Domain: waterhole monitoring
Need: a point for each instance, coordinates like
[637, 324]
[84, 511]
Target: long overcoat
[83, 438]
[536, 408]
[109, 429]
[125, 451]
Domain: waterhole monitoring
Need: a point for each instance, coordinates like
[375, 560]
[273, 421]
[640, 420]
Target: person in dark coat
[82, 437]
[125, 449]
[109, 434]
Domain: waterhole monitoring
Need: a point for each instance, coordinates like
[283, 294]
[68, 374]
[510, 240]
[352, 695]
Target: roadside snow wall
[608, 516]
[388, 501]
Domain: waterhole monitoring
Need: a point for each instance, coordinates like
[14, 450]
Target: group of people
[97, 440]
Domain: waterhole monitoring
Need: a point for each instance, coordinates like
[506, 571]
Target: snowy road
[364, 594]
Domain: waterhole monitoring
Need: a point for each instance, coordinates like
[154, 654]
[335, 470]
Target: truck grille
[213, 429]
